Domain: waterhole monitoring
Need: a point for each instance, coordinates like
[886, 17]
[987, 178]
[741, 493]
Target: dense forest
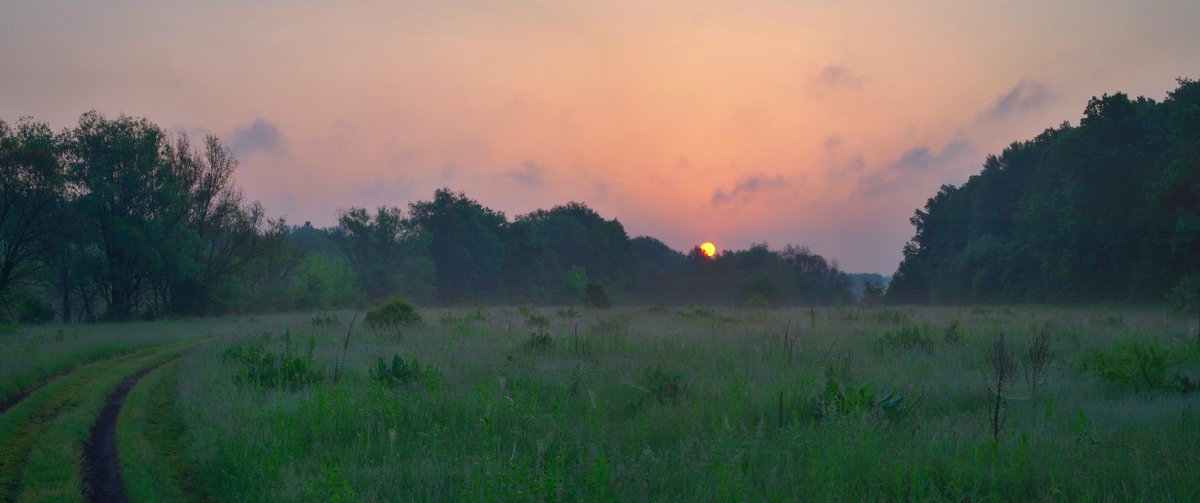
[1108, 210]
[120, 219]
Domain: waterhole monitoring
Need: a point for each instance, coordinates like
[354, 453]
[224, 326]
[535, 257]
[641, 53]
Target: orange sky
[813, 123]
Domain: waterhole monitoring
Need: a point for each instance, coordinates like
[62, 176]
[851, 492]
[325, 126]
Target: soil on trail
[101, 473]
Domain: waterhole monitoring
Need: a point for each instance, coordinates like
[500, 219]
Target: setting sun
[708, 249]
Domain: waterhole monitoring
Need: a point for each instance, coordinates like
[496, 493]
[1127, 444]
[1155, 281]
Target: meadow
[625, 404]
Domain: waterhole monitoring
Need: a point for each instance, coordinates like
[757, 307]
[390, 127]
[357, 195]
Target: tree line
[1108, 210]
[116, 219]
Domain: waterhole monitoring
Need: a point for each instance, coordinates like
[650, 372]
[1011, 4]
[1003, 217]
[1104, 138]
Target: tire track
[101, 471]
[12, 401]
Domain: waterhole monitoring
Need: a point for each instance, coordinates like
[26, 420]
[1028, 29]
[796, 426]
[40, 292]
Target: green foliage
[1106, 210]
[539, 341]
[574, 281]
[28, 308]
[1185, 295]
[537, 320]
[888, 316]
[953, 334]
[394, 312]
[663, 386]
[837, 400]
[326, 320]
[906, 337]
[1142, 364]
[260, 368]
[401, 373]
[329, 485]
[594, 295]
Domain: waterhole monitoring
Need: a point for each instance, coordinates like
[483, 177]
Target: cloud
[832, 143]
[920, 166]
[259, 136]
[834, 77]
[1026, 95]
[530, 174]
[748, 187]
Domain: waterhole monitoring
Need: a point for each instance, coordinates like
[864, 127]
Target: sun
[708, 249]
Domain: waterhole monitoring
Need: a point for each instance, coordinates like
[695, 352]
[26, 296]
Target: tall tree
[385, 251]
[465, 243]
[32, 186]
[129, 199]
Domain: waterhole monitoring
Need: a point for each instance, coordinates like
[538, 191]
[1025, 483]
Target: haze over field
[813, 123]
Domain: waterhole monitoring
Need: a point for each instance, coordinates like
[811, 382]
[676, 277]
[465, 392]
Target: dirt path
[12, 401]
[101, 473]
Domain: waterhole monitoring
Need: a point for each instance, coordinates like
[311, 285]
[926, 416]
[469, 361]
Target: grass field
[629, 404]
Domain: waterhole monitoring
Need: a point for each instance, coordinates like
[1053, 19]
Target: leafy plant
[326, 320]
[663, 385]
[537, 320]
[594, 295]
[259, 368]
[837, 400]
[1139, 364]
[1038, 359]
[953, 334]
[907, 337]
[394, 312]
[401, 373]
[539, 341]
[1000, 367]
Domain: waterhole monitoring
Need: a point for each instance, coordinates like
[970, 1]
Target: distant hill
[1108, 210]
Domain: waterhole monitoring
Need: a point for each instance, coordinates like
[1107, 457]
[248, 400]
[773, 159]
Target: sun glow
[708, 249]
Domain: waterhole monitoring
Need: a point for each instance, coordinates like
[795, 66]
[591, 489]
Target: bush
[539, 341]
[837, 400]
[394, 312]
[27, 308]
[595, 295]
[263, 369]
[326, 320]
[402, 373]
[907, 337]
[663, 385]
[1141, 364]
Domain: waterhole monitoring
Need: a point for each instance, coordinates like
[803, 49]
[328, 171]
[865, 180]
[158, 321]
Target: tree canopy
[1108, 210]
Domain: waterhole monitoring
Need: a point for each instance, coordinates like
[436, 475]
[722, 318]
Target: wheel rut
[101, 471]
[12, 401]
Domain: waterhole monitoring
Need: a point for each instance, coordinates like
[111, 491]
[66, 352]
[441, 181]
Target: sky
[816, 123]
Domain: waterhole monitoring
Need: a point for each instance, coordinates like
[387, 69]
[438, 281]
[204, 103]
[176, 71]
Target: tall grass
[699, 405]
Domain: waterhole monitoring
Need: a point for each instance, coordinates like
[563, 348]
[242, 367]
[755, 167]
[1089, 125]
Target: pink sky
[822, 124]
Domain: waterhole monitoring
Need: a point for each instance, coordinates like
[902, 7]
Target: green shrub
[888, 316]
[1141, 364]
[664, 386]
[906, 337]
[837, 400]
[595, 295]
[394, 312]
[27, 308]
[538, 320]
[401, 373]
[326, 320]
[539, 341]
[953, 334]
[262, 369]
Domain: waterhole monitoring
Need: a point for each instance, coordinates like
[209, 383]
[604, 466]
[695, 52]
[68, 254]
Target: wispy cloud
[834, 77]
[747, 188]
[259, 136]
[1026, 95]
[919, 166]
[530, 174]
